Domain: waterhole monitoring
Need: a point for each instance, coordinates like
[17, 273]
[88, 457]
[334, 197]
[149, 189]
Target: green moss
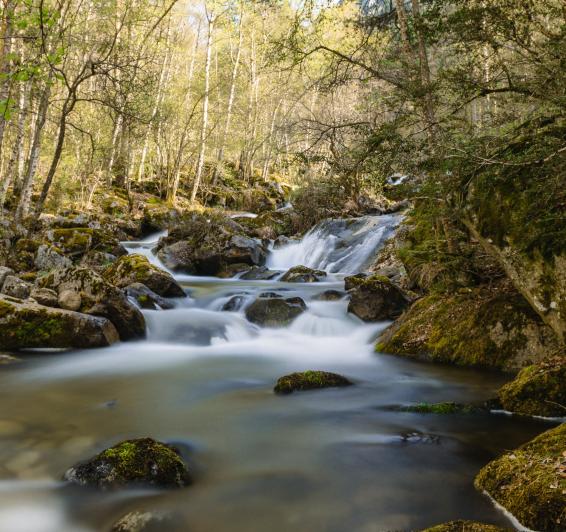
[529, 482]
[72, 241]
[309, 380]
[537, 390]
[483, 327]
[465, 526]
[440, 408]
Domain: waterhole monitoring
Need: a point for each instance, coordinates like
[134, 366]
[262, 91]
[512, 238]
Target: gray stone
[14, 287]
[47, 258]
[4, 272]
[70, 300]
[45, 296]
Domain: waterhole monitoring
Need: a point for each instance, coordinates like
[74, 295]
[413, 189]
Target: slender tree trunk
[111, 159]
[403, 28]
[5, 85]
[232, 95]
[203, 131]
[35, 149]
[14, 169]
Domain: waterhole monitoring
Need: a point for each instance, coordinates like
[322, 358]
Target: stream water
[333, 460]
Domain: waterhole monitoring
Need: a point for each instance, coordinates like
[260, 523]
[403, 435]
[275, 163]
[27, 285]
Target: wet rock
[309, 380]
[5, 272]
[234, 304]
[45, 296]
[8, 360]
[377, 298]
[465, 526]
[302, 274]
[70, 300]
[207, 245]
[146, 522]
[538, 390]
[529, 482]
[14, 287]
[420, 437]
[259, 273]
[275, 312]
[142, 461]
[353, 281]
[137, 269]
[330, 295]
[441, 408]
[270, 295]
[27, 325]
[98, 298]
[232, 270]
[48, 258]
[147, 298]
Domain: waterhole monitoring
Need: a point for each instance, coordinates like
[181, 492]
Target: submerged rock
[302, 274]
[330, 295]
[28, 325]
[98, 298]
[465, 526]
[132, 462]
[234, 304]
[538, 390]
[147, 298]
[275, 312]
[259, 273]
[146, 522]
[442, 408]
[376, 298]
[309, 380]
[137, 269]
[530, 482]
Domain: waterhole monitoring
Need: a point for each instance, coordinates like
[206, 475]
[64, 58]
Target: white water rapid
[331, 460]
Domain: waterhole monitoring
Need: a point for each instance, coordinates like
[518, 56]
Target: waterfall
[337, 246]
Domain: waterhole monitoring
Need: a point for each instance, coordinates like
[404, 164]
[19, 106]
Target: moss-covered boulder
[442, 408]
[309, 380]
[303, 274]
[207, 245]
[147, 298]
[275, 311]
[376, 298]
[131, 269]
[98, 298]
[530, 482]
[76, 242]
[29, 325]
[538, 390]
[465, 526]
[490, 327]
[48, 258]
[330, 295]
[144, 462]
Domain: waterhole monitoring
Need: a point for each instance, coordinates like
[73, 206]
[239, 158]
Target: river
[334, 460]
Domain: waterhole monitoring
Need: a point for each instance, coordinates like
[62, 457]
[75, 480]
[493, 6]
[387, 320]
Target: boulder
[98, 298]
[330, 295]
[48, 258]
[4, 272]
[138, 521]
[234, 304]
[70, 300]
[538, 390]
[259, 273]
[28, 325]
[530, 483]
[131, 269]
[275, 312]
[144, 462]
[14, 287]
[309, 380]
[376, 298]
[353, 281]
[78, 241]
[302, 274]
[45, 296]
[207, 245]
[147, 298]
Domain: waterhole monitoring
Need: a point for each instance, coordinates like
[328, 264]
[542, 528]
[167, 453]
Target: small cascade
[337, 246]
[145, 247]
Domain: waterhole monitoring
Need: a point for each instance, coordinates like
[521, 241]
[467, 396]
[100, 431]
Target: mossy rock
[303, 274]
[309, 380]
[441, 408]
[131, 269]
[376, 298]
[29, 325]
[530, 482]
[538, 390]
[492, 327]
[72, 241]
[465, 526]
[142, 461]
[275, 312]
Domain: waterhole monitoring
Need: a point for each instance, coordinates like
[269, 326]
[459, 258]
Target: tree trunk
[5, 67]
[200, 163]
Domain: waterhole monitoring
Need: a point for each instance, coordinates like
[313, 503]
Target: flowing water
[332, 460]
